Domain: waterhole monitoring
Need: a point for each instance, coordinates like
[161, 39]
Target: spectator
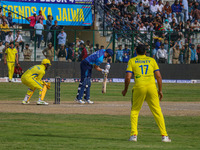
[113, 7]
[188, 26]
[83, 54]
[4, 29]
[177, 10]
[166, 45]
[160, 7]
[88, 46]
[49, 52]
[19, 39]
[126, 53]
[32, 24]
[71, 53]
[55, 31]
[102, 47]
[18, 71]
[1, 50]
[27, 53]
[193, 54]
[173, 24]
[10, 21]
[185, 6]
[150, 18]
[140, 8]
[119, 54]
[40, 18]
[4, 19]
[196, 14]
[61, 38]
[137, 19]
[158, 43]
[17, 46]
[173, 18]
[144, 19]
[5, 48]
[131, 8]
[154, 9]
[162, 54]
[198, 52]
[187, 54]
[167, 10]
[48, 27]
[195, 25]
[142, 28]
[9, 37]
[97, 47]
[176, 53]
[154, 51]
[166, 25]
[39, 27]
[146, 6]
[62, 53]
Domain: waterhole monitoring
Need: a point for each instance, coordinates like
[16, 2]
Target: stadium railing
[169, 38]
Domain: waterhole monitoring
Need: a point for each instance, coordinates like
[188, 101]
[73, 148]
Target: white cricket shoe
[80, 102]
[133, 138]
[89, 101]
[25, 102]
[166, 139]
[42, 103]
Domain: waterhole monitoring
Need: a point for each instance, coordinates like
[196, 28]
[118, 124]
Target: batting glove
[105, 71]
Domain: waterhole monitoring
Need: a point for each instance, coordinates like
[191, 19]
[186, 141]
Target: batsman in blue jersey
[94, 60]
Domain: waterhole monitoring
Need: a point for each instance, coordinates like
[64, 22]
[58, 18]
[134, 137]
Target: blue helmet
[110, 52]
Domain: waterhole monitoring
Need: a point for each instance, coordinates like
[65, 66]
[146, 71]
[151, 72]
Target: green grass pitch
[99, 132]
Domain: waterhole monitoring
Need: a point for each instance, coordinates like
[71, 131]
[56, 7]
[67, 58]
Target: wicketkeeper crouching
[33, 79]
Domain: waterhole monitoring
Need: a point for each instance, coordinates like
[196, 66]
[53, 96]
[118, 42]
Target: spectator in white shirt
[162, 54]
[9, 37]
[142, 28]
[19, 39]
[195, 25]
[171, 19]
[154, 9]
[160, 7]
[146, 6]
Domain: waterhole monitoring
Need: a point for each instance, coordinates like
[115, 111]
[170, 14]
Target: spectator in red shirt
[18, 71]
[32, 24]
[83, 54]
[198, 53]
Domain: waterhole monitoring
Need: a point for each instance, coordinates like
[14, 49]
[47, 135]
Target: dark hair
[11, 43]
[27, 44]
[141, 49]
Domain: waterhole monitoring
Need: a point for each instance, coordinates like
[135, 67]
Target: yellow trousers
[150, 94]
[11, 69]
[32, 84]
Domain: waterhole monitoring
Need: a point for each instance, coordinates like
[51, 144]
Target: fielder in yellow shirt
[33, 79]
[144, 68]
[10, 56]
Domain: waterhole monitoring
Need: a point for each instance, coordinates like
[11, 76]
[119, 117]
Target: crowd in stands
[182, 19]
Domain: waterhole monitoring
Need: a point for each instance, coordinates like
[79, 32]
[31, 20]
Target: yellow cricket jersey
[11, 54]
[143, 68]
[36, 73]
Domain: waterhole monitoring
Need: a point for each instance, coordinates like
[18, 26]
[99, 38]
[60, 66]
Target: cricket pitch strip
[100, 107]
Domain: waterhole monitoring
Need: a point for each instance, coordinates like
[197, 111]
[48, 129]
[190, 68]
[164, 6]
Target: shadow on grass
[73, 137]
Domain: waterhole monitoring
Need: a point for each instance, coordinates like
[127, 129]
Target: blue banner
[82, 2]
[68, 15]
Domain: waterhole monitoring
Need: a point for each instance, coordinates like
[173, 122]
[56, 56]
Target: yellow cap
[46, 61]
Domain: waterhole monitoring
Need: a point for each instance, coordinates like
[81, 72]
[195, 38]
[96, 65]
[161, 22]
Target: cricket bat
[107, 67]
[104, 83]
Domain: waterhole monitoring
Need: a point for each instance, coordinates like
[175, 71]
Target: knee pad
[87, 82]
